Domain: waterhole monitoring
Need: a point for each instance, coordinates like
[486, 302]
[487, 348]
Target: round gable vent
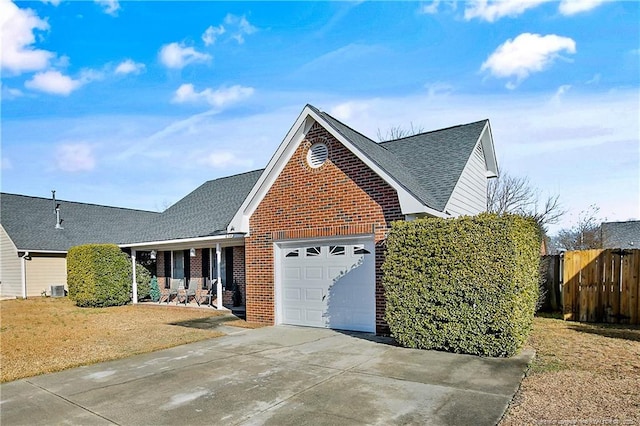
[317, 155]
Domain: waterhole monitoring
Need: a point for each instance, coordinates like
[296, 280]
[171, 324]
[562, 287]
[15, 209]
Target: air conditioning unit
[57, 291]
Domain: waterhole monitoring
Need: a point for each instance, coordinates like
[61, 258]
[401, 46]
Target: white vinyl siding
[469, 196]
[45, 270]
[10, 269]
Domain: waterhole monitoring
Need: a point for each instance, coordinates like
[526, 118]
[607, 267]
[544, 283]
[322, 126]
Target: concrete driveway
[275, 375]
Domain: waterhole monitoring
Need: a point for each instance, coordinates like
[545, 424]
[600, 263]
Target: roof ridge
[434, 131]
[345, 125]
[237, 174]
[78, 202]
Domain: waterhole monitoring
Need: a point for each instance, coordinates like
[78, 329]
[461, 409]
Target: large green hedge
[466, 285]
[98, 275]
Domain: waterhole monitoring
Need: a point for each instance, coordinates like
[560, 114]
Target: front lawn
[43, 335]
[582, 374]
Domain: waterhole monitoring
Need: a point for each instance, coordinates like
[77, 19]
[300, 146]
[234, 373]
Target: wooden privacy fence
[602, 286]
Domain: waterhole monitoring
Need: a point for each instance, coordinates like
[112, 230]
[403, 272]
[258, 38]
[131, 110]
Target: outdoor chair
[190, 291]
[174, 287]
[210, 287]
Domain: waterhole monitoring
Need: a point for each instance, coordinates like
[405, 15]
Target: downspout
[134, 283]
[23, 270]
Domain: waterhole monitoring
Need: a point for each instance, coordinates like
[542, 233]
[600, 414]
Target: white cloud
[128, 66]
[346, 110]
[493, 10]
[595, 79]
[55, 83]
[177, 55]
[17, 35]
[75, 157]
[562, 90]
[11, 92]
[439, 88]
[572, 7]
[431, 8]
[528, 53]
[241, 26]
[222, 159]
[109, 7]
[211, 34]
[217, 98]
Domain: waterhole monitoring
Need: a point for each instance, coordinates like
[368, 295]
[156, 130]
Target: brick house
[303, 239]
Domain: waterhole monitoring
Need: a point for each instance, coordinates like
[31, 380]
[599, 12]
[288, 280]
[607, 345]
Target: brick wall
[341, 197]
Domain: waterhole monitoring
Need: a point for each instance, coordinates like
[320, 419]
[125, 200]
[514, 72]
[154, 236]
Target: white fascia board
[488, 148]
[43, 251]
[240, 221]
[196, 242]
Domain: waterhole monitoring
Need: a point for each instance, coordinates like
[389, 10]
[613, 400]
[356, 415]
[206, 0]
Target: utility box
[57, 291]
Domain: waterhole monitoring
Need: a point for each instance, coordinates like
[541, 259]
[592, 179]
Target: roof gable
[422, 186]
[436, 159]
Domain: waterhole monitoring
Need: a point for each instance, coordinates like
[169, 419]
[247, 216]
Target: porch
[207, 272]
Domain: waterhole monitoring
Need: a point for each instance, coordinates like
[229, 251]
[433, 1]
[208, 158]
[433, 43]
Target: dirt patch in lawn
[43, 335]
[582, 374]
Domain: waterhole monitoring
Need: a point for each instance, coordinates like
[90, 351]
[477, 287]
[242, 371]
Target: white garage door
[328, 284]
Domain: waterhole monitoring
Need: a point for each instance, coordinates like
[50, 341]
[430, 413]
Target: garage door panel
[337, 288]
[315, 317]
[292, 273]
[292, 294]
[313, 272]
[314, 294]
[292, 314]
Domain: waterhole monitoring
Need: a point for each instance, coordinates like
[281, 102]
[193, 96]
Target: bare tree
[514, 194]
[399, 132]
[584, 235]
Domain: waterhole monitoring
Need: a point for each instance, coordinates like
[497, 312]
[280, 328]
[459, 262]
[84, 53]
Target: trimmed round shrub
[98, 275]
[465, 285]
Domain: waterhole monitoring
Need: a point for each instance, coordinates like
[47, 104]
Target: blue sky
[135, 104]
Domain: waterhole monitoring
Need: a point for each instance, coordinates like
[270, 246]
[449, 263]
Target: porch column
[219, 278]
[134, 283]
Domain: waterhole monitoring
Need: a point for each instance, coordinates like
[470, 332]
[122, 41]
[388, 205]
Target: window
[178, 264]
[336, 250]
[359, 249]
[312, 251]
[293, 253]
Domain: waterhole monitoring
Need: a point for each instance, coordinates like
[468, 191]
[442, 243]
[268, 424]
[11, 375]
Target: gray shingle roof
[428, 165]
[621, 235]
[30, 223]
[204, 212]
[436, 159]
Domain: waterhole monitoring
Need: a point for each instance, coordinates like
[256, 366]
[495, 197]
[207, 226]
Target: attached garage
[327, 283]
